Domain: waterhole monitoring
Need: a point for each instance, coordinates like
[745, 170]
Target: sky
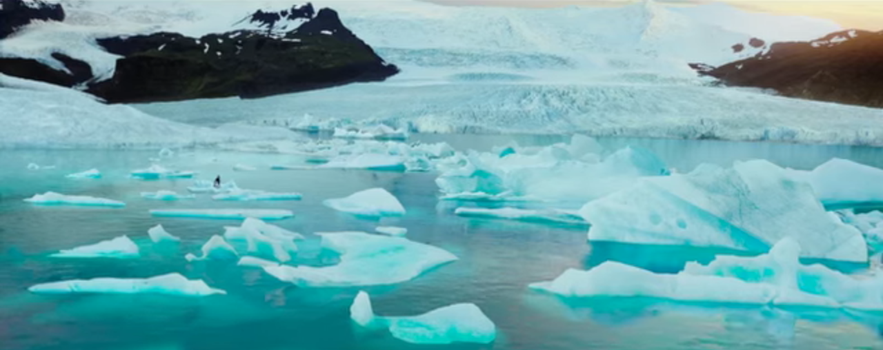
[861, 14]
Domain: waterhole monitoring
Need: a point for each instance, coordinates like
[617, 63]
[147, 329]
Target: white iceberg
[264, 214]
[255, 262]
[164, 195]
[216, 248]
[171, 284]
[35, 166]
[366, 260]
[532, 215]
[370, 202]
[205, 186]
[121, 248]
[256, 195]
[88, 174]
[243, 167]
[748, 207]
[53, 198]
[159, 172]
[843, 183]
[458, 323]
[776, 278]
[280, 249]
[271, 230]
[381, 131]
[158, 234]
[367, 161]
[392, 230]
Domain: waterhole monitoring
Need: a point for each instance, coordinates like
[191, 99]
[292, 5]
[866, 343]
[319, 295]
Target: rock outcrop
[15, 14]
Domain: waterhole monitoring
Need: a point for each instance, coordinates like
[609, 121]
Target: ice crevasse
[748, 207]
[458, 323]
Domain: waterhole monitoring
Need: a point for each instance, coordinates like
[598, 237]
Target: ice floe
[570, 217]
[458, 323]
[53, 198]
[35, 166]
[367, 161]
[264, 214]
[216, 248]
[277, 244]
[164, 195]
[747, 207]
[170, 284]
[88, 174]
[255, 262]
[205, 186]
[156, 171]
[256, 195]
[158, 234]
[365, 260]
[120, 247]
[370, 202]
[392, 230]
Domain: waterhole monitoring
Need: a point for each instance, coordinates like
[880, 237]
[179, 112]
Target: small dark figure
[218, 182]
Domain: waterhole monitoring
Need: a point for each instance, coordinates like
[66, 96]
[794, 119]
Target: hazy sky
[863, 14]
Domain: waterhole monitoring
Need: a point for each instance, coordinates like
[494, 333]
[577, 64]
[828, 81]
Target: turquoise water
[498, 259]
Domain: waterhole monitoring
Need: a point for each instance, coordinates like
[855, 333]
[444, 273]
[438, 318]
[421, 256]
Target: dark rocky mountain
[293, 50]
[15, 14]
[843, 67]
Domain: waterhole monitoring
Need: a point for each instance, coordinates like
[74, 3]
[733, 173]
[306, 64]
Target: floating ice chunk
[121, 248]
[204, 186]
[487, 197]
[52, 198]
[368, 161]
[158, 234]
[171, 284]
[264, 214]
[159, 172]
[243, 167]
[371, 202]
[166, 195]
[366, 260]
[433, 150]
[418, 164]
[392, 230]
[259, 243]
[271, 230]
[256, 195]
[381, 131]
[165, 152]
[88, 174]
[546, 215]
[215, 249]
[35, 166]
[843, 183]
[458, 323]
[255, 262]
[748, 207]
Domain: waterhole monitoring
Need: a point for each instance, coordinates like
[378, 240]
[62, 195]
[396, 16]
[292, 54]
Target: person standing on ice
[218, 182]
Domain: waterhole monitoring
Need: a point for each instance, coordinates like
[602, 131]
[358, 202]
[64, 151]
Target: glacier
[120, 247]
[216, 248]
[748, 207]
[231, 214]
[776, 278]
[88, 174]
[458, 323]
[375, 202]
[558, 216]
[392, 230]
[163, 195]
[170, 284]
[158, 234]
[365, 260]
[53, 198]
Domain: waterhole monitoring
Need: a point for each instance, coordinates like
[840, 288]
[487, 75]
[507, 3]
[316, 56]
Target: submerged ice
[264, 214]
[121, 247]
[371, 202]
[365, 260]
[164, 195]
[53, 198]
[171, 284]
[458, 323]
[747, 207]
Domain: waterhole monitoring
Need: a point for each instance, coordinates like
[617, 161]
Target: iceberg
[279, 248]
[870, 225]
[165, 152]
[35, 166]
[52, 198]
[233, 214]
[256, 195]
[392, 230]
[155, 172]
[371, 202]
[458, 323]
[365, 260]
[559, 216]
[121, 248]
[367, 161]
[216, 248]
[255, 262]
[841, 183]
[747, 207]
[776, 278]
[171, 284]
[158, 234]
[271, 230]
[382, 132]
[166, 195]
[88, 174]
[204, 186]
